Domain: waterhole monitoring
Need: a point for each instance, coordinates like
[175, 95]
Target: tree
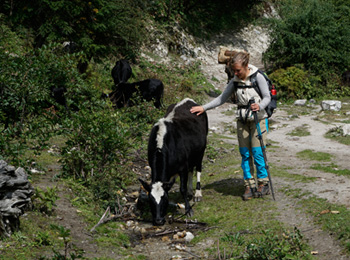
[97, 28]
[313, 33]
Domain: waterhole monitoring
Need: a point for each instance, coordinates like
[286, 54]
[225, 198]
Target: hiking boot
[263, 190]
[249, 193]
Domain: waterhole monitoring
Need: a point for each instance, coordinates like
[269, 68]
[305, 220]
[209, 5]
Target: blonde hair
[241, 57]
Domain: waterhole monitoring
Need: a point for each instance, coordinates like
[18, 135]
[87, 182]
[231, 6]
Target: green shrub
[26, 81]
[315, 33]
[45, 200]
[96, 147]
[289, 245]
[294, 82]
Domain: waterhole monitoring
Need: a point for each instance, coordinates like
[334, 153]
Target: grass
[336, 134]
[332, 168]
[300, 131]
[283, 172]
[317, 156]
[295, 111]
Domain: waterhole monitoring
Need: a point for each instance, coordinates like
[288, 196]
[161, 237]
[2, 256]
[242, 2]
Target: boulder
[332, 105]
[300, 102]
[15, 197]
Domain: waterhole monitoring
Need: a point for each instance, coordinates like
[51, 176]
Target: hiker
[242, 89]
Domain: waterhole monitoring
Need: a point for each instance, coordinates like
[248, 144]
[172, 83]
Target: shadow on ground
[230, 186]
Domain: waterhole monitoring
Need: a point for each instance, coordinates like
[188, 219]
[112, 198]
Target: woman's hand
[197, 110]
[255, 107]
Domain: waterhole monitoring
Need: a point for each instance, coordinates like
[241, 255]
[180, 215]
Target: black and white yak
[176, 146]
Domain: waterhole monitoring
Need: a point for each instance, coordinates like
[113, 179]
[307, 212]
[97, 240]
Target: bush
[45, 201]
[96, 149]
[288, 246]
[294, 82]
[26, 81]
[310, 32]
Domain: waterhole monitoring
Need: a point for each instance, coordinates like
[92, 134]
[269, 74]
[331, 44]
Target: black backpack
[273, 103]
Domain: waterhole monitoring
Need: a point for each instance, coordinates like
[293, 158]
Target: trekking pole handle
[250, 102]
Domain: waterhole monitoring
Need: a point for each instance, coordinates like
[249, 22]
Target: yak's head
[158, 199]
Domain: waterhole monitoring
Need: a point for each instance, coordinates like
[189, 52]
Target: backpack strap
[254, 81]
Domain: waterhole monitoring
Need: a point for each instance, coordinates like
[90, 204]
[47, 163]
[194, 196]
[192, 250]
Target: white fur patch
[162, 126]
[157, 191]
[199, 176]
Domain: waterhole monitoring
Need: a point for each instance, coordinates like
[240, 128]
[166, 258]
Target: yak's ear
[167, 185]
[145, 185]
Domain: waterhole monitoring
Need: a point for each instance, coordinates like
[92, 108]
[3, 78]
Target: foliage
[26, 81]
[9, 40]
[28, 109]
[68, 252]
[310, 32]
[45, 200]
[95, 149]
[295, 83]
[287, 246]
[205, 17]
[43, 239]
[98, 28]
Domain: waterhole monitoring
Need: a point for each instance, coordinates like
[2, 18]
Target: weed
[45, 200]
[68, 252]
[42, 238]
[288, 245]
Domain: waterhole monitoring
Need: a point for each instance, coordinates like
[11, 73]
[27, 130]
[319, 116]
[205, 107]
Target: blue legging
[249, 143]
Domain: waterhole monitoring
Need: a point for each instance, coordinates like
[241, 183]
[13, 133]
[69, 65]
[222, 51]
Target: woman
[242, 89]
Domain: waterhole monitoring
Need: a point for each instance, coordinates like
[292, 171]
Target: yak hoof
[190, 213]
[197, 199]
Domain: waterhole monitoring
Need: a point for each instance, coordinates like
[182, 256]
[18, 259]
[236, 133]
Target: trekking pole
[259, 136]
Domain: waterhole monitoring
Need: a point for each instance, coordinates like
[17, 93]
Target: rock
[346, 130]
[312, 101]
[300, 102]
[189, 236]
[15, 197]
[332, 105]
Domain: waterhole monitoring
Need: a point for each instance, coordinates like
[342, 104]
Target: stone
[15, 197]
[332, 105]
[346, 130]
[300, 102]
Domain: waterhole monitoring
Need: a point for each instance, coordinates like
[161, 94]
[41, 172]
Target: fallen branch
[124, 215]
[101, 219]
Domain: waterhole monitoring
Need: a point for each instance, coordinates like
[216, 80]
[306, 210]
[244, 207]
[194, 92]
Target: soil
[336, 189]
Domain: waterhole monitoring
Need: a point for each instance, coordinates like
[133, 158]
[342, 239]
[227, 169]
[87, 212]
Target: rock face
[15, 197]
